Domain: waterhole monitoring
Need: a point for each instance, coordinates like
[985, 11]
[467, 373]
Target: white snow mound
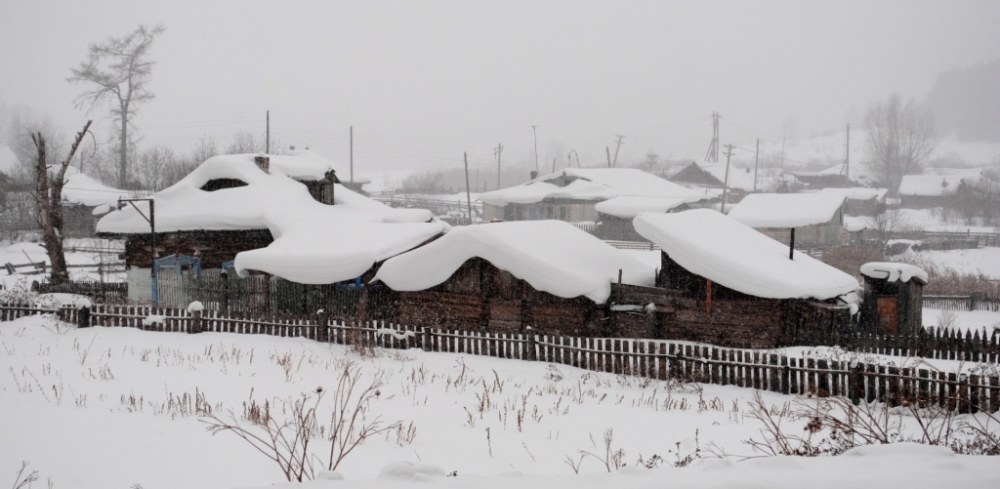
[552, 256]
[720, 248]
[893, 271]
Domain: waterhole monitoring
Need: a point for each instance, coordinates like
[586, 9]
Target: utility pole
[468, 196]
[755, 156]
[713, 147]
[620, 137]
[497, 151]
[847, 155]
[784, 132]
[535, 134]
[267, 135]
[608, 151]
[352, 154]
[725, 184]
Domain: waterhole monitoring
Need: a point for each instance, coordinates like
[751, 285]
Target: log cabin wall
[731, 318]
[216, 247]
[481, 297]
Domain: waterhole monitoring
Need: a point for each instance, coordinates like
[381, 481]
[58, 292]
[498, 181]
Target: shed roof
[552, 256]
[590, 184]
[788, 210]
[722, 249]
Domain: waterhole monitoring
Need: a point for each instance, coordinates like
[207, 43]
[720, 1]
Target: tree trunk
[123, 150]
[49, 202]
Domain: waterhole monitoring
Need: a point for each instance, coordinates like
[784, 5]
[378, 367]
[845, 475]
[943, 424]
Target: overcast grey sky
[423, 81]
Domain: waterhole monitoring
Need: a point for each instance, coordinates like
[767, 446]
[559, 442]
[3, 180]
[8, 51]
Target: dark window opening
[222, 183]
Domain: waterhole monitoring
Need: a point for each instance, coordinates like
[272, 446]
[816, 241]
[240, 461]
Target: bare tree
[48, 197]
[245, 142]
[120, 68]
[900, 138]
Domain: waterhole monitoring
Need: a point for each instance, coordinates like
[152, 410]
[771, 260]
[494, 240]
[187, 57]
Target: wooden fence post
[323, 326]
[83, 317]
[854, 383]
[531, 346]
[195, 327]
[427, 339]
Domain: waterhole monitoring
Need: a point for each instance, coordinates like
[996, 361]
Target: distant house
[809, 218]
[576, 195]
[864, 201]
[509, 277]
[725, 283]
[742, 181]
[926, 191]
[281, 215]
[832, 177]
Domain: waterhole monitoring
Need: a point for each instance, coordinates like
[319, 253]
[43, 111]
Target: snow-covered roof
[81, 189]
[590, 184]
[861, 193]
[934, 185]
[736, 256]
[309, 165]
[627, 207]
[788, 210]
[9, 164]
[892, 271]
[314, 243]
[742, 178]
[552, 256]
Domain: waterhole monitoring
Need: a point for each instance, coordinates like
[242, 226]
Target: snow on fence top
[891, 271]
[627, 207]
[787, 210]
[722, 249]
[590, 184]
[552, 256]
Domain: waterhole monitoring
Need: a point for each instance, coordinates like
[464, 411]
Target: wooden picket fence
[974, 301]
[654, 359]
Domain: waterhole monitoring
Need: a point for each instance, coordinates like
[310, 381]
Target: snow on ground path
[111, 407]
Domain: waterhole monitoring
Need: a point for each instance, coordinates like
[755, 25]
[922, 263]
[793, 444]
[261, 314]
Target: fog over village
[249, 244]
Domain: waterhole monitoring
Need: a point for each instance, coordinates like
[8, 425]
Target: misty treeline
[148, 166]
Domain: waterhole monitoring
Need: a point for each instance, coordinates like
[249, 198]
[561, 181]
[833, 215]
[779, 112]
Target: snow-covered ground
[27, 252]
[110, 407]
[963, 320]
[984, 261]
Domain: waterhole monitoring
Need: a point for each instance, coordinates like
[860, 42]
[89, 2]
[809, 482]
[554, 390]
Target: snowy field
[984, 261]
[963, 320]
[108, 407]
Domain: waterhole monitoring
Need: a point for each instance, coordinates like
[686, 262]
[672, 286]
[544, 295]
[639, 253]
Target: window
[222, 183]
[562, 213]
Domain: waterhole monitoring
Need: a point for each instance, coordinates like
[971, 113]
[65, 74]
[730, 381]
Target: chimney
[291, 148]
[534, 174]
[263, 162]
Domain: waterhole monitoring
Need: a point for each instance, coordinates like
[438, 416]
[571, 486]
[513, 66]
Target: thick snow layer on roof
[892, 271]
[861, 193]
[266, 202]
[736, 256]
[81, 189]
[742, 178]
[935, 185]
[788, 210]
[552, 256]
[590, 184]
[314, 243]
[309, 165]
[628, 207]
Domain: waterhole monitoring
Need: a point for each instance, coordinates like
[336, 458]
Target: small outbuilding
[725, 283]
[893, 300]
